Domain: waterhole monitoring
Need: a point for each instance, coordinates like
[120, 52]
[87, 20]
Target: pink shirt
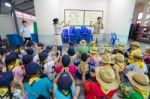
[72, 69]
[18, 72]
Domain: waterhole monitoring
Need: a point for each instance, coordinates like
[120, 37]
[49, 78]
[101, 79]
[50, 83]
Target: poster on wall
[74, 17]
[92, 15]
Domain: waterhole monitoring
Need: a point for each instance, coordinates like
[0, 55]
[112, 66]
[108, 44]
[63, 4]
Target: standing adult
[98, 26]
[24, 31]
[58, 29]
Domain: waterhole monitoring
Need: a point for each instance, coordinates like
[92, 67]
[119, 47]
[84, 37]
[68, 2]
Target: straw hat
[147, 51]
[139, 80]
[108, 49]
[106, 59]
[138, 55]
[92, 43]
[107, 78]
[121, 49]
[83, 67]
[135, 44]
[120, 45]
[105, 45]
[94, 50]
[83, 42]
[120, 60]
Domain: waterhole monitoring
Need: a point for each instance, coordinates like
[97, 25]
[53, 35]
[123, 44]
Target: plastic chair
[72, 34]
[65, 36]
[89, 35]
[78, 35]
[114, 39]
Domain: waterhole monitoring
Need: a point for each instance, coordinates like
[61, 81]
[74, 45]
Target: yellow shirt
[133, 52]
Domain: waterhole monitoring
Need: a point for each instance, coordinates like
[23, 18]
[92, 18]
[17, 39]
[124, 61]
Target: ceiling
[25, 6]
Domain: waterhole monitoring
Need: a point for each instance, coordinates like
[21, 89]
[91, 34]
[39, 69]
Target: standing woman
[57, 29]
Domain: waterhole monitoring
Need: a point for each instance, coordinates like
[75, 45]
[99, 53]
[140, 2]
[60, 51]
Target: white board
[74, 17]
[92, 16]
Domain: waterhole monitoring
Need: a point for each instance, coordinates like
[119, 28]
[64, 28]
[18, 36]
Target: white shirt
[133, 67]
[25, 31]
[49, 70]
[36, 58]
[57, 28]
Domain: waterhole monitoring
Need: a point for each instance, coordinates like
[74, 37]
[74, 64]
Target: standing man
[24, 32]
[98, 26]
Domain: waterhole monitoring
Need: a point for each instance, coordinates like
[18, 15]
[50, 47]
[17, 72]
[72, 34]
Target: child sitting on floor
[83, 66]
[83, 48]
[138, 65]
[135, 49]
[137, 88]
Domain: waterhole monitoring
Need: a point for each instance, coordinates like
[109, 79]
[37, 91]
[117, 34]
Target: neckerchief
[145, 94]
[65, 92]
[106, 91]
[3, 91]
[10, 67]
[33, 79]
[140, 64]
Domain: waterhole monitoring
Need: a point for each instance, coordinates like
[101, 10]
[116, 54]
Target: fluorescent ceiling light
[7, 4]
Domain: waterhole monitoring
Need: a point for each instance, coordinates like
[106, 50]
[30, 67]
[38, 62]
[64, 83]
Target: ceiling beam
[23, 2]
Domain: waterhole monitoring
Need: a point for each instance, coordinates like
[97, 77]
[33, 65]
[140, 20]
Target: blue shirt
[59, 95]
[40, 87]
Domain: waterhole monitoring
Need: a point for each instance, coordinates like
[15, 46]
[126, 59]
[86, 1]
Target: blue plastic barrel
[14, 39]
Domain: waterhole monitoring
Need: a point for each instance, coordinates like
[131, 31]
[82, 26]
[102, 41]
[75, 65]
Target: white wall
[119, 17]
[46, 10]
[7, 25]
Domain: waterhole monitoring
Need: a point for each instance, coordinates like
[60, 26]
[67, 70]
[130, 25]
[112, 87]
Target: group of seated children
[36, 71]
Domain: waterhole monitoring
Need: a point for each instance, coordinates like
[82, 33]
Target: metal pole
[15, 18]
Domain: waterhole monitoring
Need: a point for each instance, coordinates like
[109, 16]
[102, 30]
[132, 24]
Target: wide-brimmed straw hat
[106, 59]
[92, 43]
[94, 50]
[107, 78]
[120, 60]
[108, 49]
[83, 42]
[83, 67]
[135, 44]
[139, 80]
[147, 51]
[138, 56]
[121, 49]
[120, 45]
